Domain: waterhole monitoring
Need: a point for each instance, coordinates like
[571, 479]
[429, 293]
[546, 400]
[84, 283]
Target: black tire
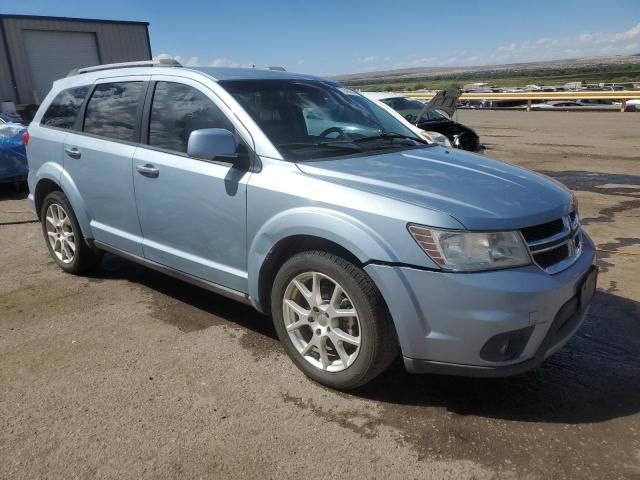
[378, 339]
[84, 259]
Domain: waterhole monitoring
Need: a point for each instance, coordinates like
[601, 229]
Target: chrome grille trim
[563, 235]
[569, 239]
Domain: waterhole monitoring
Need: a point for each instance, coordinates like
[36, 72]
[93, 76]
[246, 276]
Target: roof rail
[163, 62]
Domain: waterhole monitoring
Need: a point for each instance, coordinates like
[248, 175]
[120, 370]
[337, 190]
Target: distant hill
[426, 72]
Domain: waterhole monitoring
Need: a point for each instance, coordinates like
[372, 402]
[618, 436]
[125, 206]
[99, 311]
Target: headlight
[574, 201]
[435, 137]
[460, 251]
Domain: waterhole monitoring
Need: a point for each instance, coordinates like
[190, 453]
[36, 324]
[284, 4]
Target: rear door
[192, 211]
[99, 160]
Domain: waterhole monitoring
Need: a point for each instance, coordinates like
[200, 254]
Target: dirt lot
[130, 374]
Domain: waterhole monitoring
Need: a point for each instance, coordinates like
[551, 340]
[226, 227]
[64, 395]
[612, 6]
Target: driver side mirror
[213, 144]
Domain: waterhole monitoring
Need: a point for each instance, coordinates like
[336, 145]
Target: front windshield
[410, 109]
[311, 119]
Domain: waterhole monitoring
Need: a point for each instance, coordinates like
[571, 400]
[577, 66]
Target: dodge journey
[302, 198]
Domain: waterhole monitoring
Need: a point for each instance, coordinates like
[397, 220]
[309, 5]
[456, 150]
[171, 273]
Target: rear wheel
[63, 236]
[332, 320]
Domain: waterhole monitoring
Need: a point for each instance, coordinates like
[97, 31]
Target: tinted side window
[64, 109]
[111, 111]
[176, 111]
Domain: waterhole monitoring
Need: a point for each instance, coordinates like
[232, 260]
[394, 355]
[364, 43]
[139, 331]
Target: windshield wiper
[387, 135]
[345, 144]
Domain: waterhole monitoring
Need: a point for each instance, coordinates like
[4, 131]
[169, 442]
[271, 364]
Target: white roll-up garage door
[52, 54]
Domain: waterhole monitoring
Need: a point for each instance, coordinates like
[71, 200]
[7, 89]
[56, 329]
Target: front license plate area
[588, 287]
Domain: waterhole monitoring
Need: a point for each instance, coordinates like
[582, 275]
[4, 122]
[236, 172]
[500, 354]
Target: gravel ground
[131, 374]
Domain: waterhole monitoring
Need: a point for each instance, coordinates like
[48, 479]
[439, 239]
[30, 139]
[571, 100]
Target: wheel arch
[51, 177]
[285, 249]
[43, 188]
[305, 229]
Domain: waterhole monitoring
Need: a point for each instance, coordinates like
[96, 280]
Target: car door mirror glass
[213, 144]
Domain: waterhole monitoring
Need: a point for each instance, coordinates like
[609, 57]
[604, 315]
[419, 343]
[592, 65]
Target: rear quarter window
[112, 110]
[64, 109]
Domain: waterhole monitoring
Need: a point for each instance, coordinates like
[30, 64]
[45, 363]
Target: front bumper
[443, 320]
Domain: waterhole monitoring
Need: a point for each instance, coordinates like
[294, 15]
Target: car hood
[445, 100]
[481, 193]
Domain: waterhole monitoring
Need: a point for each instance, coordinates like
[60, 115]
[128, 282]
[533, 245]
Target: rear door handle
[73, 152]
[148, 170]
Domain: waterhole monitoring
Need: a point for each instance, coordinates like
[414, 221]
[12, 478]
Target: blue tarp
[13, 157]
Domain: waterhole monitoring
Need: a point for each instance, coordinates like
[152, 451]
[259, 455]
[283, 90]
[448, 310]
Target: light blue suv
[360, 240]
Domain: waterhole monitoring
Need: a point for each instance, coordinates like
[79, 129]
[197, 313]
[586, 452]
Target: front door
[192, 211]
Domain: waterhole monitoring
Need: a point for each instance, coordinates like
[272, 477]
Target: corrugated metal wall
[117, 42]
[6, 84]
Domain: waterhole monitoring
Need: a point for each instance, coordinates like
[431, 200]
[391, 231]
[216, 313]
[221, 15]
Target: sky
[333, 37]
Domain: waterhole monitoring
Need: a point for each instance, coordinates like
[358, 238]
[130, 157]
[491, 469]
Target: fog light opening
[506, 346]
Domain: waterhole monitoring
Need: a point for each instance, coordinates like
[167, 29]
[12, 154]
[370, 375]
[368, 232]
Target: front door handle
[73, 152]
[148, 170]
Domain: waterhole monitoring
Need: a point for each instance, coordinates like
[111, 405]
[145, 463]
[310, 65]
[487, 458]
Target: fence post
[529, 105]
[623, 105]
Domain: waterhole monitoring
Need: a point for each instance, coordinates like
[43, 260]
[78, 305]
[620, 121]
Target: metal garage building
[35, 51]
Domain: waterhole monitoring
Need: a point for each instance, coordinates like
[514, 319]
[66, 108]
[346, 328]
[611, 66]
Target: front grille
[555, 245]
[544, 230]
[551, 257]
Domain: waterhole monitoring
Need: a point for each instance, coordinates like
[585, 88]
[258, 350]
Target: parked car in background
[604, 103]
[613, 88]
[632, 105]
[429, 136]
[432, 119]
[361, 240]
[475, 104]
[13, 158]
[472, 104]
[555, 105]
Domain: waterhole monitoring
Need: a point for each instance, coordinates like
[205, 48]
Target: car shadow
[202, 309]
[594, 378]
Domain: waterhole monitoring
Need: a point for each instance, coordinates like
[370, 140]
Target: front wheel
[332, 320]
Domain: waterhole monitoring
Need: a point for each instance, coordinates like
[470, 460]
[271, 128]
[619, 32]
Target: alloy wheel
[321, 321]
[60, 233]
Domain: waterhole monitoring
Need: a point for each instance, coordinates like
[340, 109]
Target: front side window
[176, 111]
[311, 119]
[111, 111]
[63, 111]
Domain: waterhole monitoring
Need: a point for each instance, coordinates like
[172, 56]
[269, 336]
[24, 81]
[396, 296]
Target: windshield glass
[410, 109]
[310, 119]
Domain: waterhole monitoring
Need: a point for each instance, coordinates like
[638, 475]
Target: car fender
[77, 203]
[54, 172]
[353, 235]
[50, 171]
